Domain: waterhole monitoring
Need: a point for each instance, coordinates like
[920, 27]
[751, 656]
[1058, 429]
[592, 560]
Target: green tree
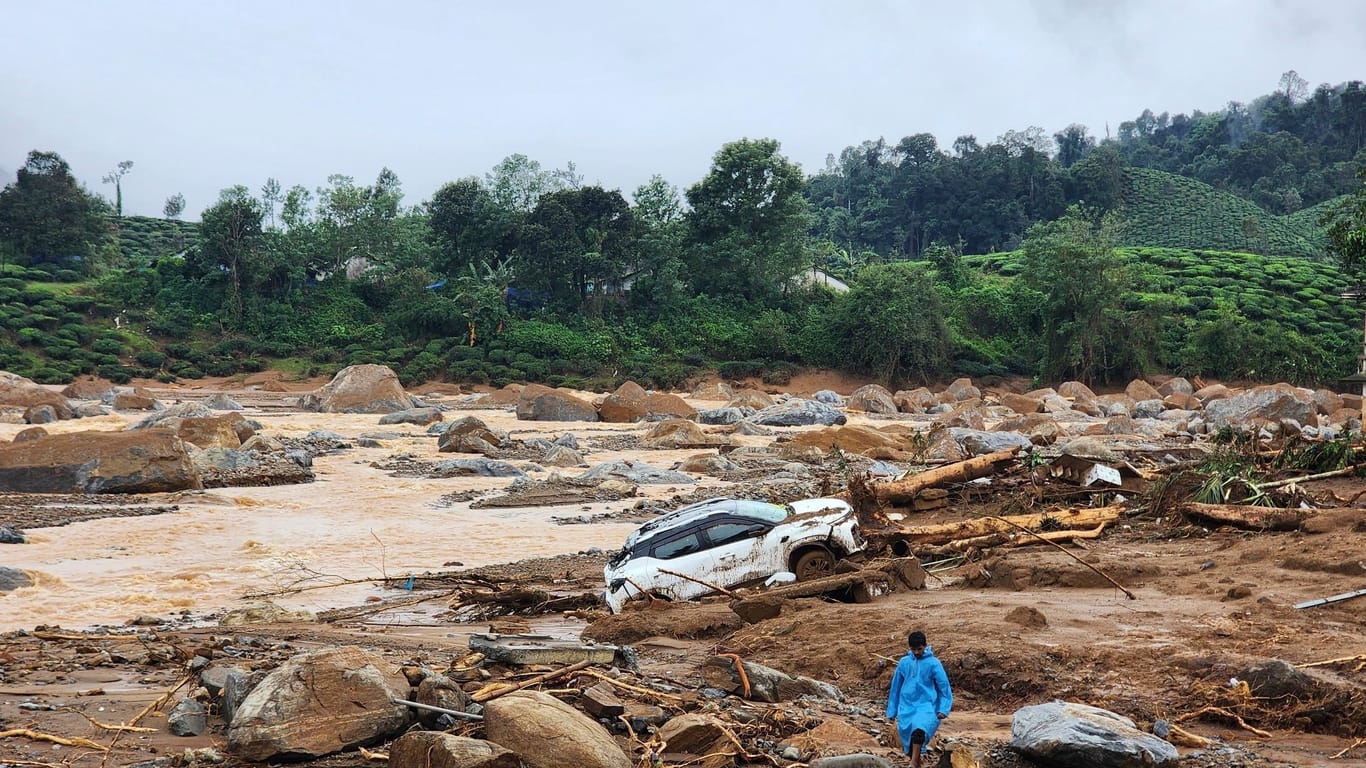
[577, 244]
[271, 197]
[175, 205]
[115, 177]
[46, 215]
[469, 226]
[1073, 263]
[656, 276]
[891, 324]
[747, 230]
[231, 239]
[1347, 234]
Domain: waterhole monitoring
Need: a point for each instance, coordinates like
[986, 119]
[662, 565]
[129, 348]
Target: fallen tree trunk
[943, 533]
[1019, 539]
[905, 489]
[1248, 517]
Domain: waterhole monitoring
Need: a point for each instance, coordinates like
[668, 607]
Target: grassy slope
[1168, 211]
[143, 239]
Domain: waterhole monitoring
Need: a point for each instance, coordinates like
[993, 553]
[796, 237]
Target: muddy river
[355, 521]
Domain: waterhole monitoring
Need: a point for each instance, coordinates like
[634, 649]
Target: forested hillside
[1213, 244]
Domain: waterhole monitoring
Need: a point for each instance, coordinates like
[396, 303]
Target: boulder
[634, 472]
[1212, 392]
[10, 535]
[977, 442]
[419, 416]
[263, 612]
[359, 389]
[32, 433]
[714, 390]
[132, 399]
[1327, 401]
[1277, 679]
[750, 398]
[188, 718]
[148, 461]
[1067, 734]
[724, 415]
[221, 402]
[13, 578]
[858, 760]
[828, 396]
[1075, 391]
[1149, 409]
[1181, 401]
[1175, 386]
[471, 435]
[765, 683]
[1022, 404]
[319, 703]
[439, 691]
[91, 411]
[678, 433]
[263, 444]
[798, 413]
[171, 417]
[967, 414]
[913, 400]
[1139, 390]
[706, 464]
[87, 388]
[223, 467]
[478, 467]
[871, 398]
[700, 734]
[561, 456]
[538, 403]
[430, 749]
[962, 389]
[527, 722]
[508, 395]
[21, 393]
[1268, 403]
[630, 403]
[40, 414]
[1116, 405]
[209, 432]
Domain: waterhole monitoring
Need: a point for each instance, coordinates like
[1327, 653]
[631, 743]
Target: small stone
[188, 718]
[10, 535]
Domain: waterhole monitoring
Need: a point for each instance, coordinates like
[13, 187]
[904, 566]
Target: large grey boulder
[828, 396]
[22, 394]
[13, 578]
[147, 461]
[547, 733]
[1070, 735]
[471, 435]
[1270, 403]
[724, 415]
[765, 683]
[172, 417]
[221, 402]
[635, 472]
[419, 416]
[478, 467]
[431, 749]
[359, 389]
[798, 413]
[439, 691]
[319, 703]
[871, 398]
[977, 442]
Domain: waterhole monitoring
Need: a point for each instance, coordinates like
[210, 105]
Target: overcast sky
[201, 95]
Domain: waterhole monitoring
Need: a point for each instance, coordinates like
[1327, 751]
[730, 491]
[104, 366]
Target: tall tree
[748, 224]
[1073, 263]
[231, 238]
[468, 226]
[46, 215]
[891, 324]
[656, 275]
[271, 197]
[175, 205]
[115, 177]
[576, 244]
[1347, 235]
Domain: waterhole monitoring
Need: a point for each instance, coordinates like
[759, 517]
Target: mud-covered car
[728, 542]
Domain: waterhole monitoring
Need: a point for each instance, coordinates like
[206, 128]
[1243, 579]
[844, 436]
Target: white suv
[728, 542]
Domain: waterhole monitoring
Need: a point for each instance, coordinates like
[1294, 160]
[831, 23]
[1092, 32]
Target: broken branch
[708, 585]
[108, 727]
[1243, 516]
[1220, 711]
[493, 692]
[629, 687]
[1063, 550]
[39, 736]
[959, 472]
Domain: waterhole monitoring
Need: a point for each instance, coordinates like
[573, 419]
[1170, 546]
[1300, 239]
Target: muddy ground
[1014, 626]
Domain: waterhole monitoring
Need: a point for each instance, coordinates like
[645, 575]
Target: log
[1020, 539]
[905, 490]
[943, 533]
[1247, 517]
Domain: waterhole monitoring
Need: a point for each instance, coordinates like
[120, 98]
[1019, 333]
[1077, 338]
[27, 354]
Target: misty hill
[1164, 210]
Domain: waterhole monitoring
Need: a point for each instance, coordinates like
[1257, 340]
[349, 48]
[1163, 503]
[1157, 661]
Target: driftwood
[1248, 517]
[494, 690]
[39, 736]
[1021, 539]
[1221, 712]
[1063, 550]
[943, 533]
[906, 489]
[1309, 478]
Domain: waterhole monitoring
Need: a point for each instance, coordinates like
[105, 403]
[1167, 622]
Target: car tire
[814, 564]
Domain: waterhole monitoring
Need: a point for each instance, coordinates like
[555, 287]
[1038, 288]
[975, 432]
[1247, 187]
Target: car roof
[757, 510]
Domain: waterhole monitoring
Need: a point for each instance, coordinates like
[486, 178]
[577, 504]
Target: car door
[741, 550]
[686, 551]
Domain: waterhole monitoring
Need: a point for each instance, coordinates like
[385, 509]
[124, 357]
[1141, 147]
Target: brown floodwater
[354, 522]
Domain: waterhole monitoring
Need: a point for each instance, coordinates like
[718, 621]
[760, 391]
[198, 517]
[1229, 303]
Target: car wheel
[814, 564]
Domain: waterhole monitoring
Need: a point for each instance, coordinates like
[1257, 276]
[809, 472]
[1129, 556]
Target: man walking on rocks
[920, 697]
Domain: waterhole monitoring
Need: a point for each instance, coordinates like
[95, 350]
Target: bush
[107, 347]
[52, 375]
[119, 374]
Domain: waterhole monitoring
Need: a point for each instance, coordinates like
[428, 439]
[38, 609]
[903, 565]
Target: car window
[683, 545]
[724, 533]
[761, 511]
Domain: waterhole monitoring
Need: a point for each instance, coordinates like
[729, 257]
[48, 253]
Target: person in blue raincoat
[920, 697]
